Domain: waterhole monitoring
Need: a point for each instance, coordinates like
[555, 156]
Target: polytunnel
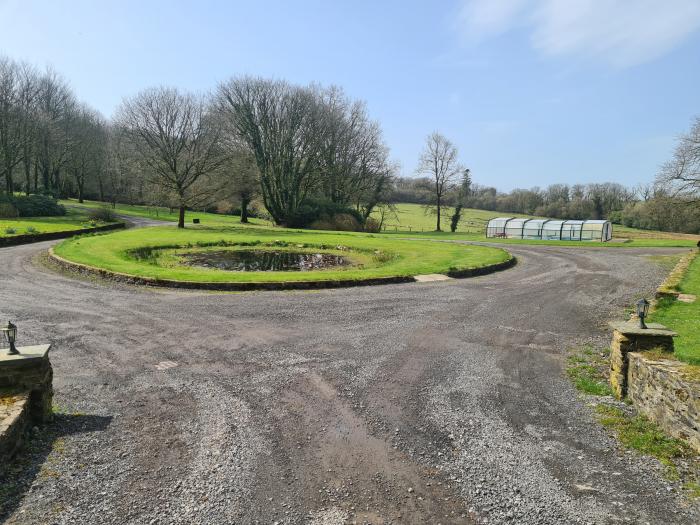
[549, 229]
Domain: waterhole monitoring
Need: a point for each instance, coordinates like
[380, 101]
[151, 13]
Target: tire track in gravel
[273, 390]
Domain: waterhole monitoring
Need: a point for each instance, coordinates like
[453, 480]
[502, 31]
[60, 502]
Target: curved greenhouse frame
[549, 229]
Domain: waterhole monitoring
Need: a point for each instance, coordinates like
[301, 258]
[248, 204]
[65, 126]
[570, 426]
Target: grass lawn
[682, 317]
[412, 219]
[162, 213]
[375, 255]
[73, 220]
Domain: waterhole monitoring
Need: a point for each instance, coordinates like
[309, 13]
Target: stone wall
[668, 393]
[26, 395]
[14, 419]
[628, 337]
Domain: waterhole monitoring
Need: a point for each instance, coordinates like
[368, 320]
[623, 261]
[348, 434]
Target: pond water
[263, 260]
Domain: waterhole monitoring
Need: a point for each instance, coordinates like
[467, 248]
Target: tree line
[310, 154]
[670, 203]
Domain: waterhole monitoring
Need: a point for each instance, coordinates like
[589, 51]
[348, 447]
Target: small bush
[342, 222]
[325, 213]
[10, 231]
[383, 257]
[372, 225]
[31, 229]
[31, 206]
[8, 211]
[102, 214]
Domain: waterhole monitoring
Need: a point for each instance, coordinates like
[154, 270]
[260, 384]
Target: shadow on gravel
[33, 460]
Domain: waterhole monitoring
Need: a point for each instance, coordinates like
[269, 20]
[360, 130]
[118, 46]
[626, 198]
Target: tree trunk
[244, 209]
[9, 182]
[438, 215]
[181, 217]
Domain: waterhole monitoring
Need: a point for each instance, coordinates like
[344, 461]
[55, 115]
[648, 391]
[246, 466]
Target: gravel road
[416, 403]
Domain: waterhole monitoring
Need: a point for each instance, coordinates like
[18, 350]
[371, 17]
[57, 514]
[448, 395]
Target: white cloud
[620, 32]
[485, 18]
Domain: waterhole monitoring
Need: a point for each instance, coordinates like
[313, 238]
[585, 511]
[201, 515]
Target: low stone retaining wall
[664, 389]
[84, 269]
[16, 240]
[26, 395]
[667, 392]
[14, 420]
[627, 338]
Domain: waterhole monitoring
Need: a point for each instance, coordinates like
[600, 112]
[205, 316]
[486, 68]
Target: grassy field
[412, 219]
[162, 213]
[375, 255]
[73, 220]
[684, 318]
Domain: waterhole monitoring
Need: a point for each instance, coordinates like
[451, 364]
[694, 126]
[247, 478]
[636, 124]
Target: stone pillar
[629, 337]
[29, 371]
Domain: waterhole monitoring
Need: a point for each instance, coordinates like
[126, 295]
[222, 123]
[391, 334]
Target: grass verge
[638, 433]
[73, 220]
[378, 255]
[413, 219]
[683, 317]
[588, 369]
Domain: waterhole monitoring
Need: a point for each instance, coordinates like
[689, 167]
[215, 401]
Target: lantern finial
[10, 331]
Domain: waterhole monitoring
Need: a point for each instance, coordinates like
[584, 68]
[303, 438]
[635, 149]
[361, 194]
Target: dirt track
[414, 403]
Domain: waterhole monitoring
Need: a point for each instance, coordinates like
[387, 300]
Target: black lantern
[642, 311]
[10, 332]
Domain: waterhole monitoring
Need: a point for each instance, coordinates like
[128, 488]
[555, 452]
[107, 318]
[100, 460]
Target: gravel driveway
[416, 403]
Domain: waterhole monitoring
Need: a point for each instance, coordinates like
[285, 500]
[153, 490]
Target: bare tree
[176, 142]
[439, 161]
[682, 173]
[243, 178]
[17, 97]
[87, 154]
[280, 125]
[354, 159]
[56, 107]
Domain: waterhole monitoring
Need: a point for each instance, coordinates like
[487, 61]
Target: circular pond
[263, 260]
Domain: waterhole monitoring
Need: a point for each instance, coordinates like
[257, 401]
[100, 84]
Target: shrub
[8, 210]
[31, 229]
[341, 222]
[102, 214]
[32, 206]
[372, 225]
[10, 231]
[323, 213]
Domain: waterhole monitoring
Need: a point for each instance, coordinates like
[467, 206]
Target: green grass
[73, 220]
[393, 257]
[587, 368]
[638, 433]
[682, 317]
[162, 213]
[412, 219]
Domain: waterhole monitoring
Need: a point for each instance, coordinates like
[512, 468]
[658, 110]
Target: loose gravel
[421, 403]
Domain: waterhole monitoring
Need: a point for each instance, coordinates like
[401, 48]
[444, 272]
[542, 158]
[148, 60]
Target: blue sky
[532, 92]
